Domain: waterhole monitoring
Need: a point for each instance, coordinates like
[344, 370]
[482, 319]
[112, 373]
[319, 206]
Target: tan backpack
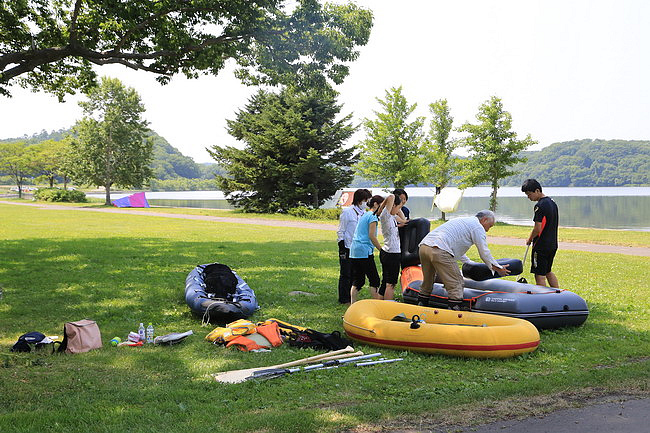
[80, 336]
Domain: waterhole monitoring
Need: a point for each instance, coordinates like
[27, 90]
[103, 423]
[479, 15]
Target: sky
[565, 70]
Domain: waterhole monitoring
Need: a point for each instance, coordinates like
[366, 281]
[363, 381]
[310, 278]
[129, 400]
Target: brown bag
[80, 336]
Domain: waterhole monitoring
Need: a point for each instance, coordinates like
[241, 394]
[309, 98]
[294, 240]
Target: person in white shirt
[347, 224]
[390, 253]
[441, 248]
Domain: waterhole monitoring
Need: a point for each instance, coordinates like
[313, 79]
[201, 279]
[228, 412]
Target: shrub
[60, 195]
[315, 214]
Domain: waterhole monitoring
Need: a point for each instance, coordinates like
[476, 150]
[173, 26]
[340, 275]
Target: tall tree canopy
[441, 165]
[392, 154]
[493, 147]
[293, 154]
[111, 146]
[50, 159]
[52, 45]
[18, 160]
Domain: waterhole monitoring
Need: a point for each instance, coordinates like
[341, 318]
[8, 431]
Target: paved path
[627, 416]
[575, 246]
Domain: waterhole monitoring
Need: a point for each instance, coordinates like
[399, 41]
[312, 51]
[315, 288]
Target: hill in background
[571, 163]
[587, 163]
[168, 162]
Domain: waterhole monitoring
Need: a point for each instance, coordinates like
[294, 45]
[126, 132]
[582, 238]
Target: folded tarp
[134, 200]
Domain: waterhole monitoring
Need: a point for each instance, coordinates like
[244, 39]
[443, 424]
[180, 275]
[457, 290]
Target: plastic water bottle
[141, 332]
[150, 333]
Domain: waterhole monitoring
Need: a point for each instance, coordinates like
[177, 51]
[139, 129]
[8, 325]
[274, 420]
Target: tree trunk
[108, 194]
[51, 181]
[493, 197]
[20, 189]
[442, 214]
[65, 182]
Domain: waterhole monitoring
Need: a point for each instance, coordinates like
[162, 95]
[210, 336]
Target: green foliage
[183, 184]
[493, 147]
[53, 46]
[110, 147]
[316, 214]
[587, 163]
[52, 159]
[392, 155]
[441, 164]
[293, 154]
[60, 195]
[167, 163]
[17, 160]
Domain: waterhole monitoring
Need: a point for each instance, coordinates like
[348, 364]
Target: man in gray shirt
[441, 248]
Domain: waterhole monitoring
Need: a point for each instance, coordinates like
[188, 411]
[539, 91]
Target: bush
[315, 214]
[60, 195]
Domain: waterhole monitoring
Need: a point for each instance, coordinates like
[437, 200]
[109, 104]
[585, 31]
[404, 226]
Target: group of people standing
[357, 240]
[439, 251]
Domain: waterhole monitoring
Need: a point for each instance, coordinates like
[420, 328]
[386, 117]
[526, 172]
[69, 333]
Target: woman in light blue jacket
[363, 245]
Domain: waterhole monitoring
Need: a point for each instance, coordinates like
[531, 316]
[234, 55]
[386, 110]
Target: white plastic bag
[448, 199]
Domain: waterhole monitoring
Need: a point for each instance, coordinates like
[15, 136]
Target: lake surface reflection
[613, 208]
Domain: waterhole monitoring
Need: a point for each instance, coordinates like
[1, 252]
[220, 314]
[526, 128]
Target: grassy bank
[587, 235]
[58, 266]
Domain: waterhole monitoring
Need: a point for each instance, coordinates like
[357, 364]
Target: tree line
[587, 163]
[295, 138]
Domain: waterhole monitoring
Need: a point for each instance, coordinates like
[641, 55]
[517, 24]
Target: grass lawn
[120, 270]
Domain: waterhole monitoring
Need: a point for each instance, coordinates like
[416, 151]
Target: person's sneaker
[423, 301]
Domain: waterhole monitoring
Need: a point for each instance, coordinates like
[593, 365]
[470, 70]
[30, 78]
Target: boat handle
[357, 326]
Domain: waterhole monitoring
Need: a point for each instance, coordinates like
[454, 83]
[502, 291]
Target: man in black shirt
[544, 234]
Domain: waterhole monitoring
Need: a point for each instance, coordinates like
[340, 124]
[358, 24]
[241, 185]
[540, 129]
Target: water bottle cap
[149, 323]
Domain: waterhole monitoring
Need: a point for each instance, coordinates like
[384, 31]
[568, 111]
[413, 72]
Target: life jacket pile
[247, 336]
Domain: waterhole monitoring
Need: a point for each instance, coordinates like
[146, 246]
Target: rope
[357, 326]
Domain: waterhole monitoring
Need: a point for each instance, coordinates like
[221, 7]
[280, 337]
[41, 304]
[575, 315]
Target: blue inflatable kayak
[238, 305]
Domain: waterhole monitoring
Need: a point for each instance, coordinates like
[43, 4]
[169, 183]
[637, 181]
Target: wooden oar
[236, 376]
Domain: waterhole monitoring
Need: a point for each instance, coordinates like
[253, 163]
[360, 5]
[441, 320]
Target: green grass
[58, 266]
[587, 235]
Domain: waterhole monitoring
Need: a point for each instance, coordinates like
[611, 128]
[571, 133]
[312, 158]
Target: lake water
[611, 207]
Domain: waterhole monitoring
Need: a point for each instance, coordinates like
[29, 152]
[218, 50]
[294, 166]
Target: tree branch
[73, 21]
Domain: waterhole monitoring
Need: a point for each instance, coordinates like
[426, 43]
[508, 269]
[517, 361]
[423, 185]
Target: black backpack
[25, 342]
[319, 340]
[219, 280]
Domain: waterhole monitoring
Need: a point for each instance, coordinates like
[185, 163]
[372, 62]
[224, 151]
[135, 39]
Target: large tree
[52, 45]
[293, 151]
[392, 154]
[111, 147]
[493, 147]
[17, 159]
[441, 165]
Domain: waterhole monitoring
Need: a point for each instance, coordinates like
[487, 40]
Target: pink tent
[134, 200]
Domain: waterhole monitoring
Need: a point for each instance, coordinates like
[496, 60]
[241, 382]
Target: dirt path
[574, 246]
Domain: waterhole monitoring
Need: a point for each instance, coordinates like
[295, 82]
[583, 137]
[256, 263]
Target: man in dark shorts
[544, 234]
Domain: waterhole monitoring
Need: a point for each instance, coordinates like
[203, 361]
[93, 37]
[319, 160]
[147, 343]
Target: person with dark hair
[442, 247]
[390, 255]
[347, 224]
[404, 197]
[544, 234]
[363, 245]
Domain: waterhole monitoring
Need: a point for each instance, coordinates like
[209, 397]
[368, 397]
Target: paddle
[523, 266]
[236, 376]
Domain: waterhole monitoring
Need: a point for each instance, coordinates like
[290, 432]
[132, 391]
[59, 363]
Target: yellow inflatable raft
[456, 333]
